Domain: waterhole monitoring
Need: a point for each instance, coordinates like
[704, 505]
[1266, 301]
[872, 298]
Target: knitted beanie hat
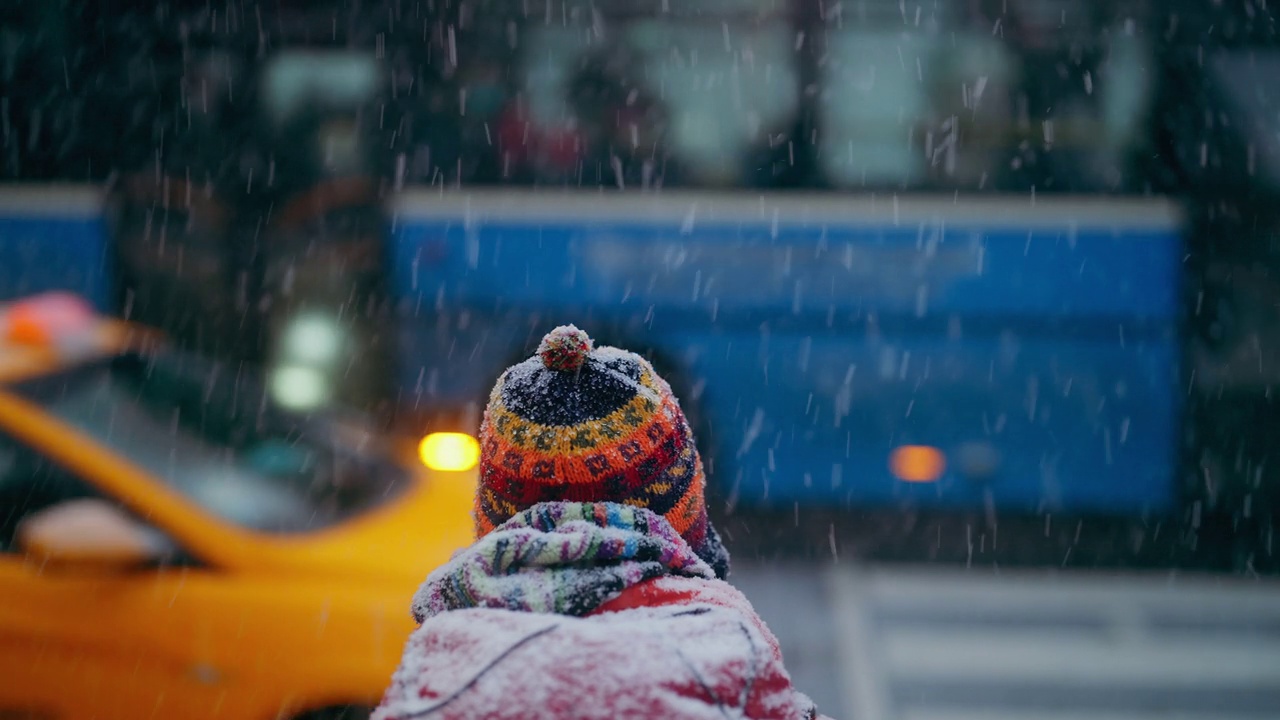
[591, 424]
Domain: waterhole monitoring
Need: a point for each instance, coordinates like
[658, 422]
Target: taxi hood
[401, 540]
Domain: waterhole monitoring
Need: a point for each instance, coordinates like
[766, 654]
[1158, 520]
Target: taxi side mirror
[86, 535]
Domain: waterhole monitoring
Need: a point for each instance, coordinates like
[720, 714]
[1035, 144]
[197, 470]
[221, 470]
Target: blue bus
[1032, 351]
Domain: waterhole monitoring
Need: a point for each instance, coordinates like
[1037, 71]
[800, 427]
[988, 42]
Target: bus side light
[917, 463]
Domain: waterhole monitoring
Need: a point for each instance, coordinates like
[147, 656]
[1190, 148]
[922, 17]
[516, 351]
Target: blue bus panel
[53, 239]
[1035, 347]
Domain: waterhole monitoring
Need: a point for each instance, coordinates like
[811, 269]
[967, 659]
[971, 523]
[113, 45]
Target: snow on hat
[581, 423]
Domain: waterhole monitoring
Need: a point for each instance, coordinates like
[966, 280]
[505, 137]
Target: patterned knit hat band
[586, 424]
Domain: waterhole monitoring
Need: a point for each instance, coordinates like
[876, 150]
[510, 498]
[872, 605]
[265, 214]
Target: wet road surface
[947, 644]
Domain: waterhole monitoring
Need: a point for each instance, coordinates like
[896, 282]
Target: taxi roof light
[449, 451]
[59, 320]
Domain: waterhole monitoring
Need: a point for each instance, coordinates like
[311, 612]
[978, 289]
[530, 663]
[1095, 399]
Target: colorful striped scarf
[559, 557]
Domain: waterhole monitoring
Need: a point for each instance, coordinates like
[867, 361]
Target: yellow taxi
[175, 545]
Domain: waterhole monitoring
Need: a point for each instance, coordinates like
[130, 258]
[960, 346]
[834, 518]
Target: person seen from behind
[596, 586]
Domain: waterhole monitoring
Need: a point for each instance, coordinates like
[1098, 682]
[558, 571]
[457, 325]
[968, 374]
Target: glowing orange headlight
[449, 451]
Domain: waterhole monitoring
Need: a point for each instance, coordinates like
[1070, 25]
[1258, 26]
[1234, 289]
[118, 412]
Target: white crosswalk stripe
[941, 645]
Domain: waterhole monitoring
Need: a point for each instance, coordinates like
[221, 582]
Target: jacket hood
[559, 557]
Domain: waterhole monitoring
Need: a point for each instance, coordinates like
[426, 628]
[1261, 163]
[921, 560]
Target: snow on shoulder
[690, 661]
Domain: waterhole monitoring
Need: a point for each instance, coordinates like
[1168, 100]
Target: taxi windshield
[208, 430]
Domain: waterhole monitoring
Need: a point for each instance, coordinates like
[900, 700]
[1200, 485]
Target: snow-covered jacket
[587, 610]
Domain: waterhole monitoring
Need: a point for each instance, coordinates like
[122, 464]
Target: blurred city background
[974, 306]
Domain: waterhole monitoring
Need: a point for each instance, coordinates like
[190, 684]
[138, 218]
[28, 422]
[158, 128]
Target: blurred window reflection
[1035, 93]
[1251, 83]
[710, 88]
[30, 483]
[312, 101]
[224, 446]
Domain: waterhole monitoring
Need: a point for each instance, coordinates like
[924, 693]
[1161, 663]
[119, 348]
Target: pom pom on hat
[565, 348]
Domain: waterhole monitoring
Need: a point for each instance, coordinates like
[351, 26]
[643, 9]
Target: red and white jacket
[669, 647]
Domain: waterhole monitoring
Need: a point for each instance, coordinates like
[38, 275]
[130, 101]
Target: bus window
[1021, 95]
[610, 95]
[1250, 82]
[313, 98]
[731, 85]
